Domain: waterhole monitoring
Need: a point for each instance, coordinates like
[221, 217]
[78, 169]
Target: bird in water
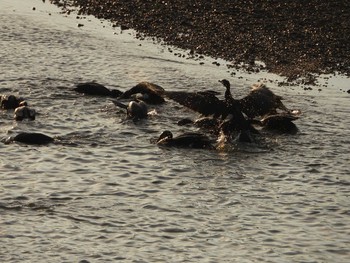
[185, 140]
[8, 102]
[135, 109]
[24, 112]
[237, 122]
[259, 102]
[227, 111]
[93, 88]
[147, 92]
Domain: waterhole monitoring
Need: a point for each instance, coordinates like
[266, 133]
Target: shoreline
[293, 39]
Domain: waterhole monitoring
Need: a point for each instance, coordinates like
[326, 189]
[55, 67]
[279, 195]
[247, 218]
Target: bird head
[226, 83]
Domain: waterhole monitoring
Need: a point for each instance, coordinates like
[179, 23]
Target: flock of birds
[223, 119]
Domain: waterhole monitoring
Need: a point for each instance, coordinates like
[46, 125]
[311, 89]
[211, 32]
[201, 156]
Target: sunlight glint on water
[112, 195]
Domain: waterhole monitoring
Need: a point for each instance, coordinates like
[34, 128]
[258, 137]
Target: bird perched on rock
[208, 104]
[261, 101]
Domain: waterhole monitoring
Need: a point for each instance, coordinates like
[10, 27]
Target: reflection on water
[112, 195]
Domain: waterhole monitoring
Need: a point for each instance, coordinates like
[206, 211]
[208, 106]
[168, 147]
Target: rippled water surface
[112, 195]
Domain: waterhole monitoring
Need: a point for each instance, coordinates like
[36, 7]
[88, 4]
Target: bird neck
[228, 96]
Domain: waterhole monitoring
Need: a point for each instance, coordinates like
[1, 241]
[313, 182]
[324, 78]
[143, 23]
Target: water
[114, 196]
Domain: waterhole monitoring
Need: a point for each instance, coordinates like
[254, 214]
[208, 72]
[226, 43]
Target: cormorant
[259, 102]
[186, 140]
[207, 104]
[93, 88]
[237, 122]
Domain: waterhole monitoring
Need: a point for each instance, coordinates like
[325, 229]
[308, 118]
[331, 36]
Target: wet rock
[93, 88]
[32, 138]
[8, 102]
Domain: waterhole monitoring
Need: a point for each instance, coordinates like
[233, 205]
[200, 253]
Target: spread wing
[154, 92]
[260, 101]
[202, 102]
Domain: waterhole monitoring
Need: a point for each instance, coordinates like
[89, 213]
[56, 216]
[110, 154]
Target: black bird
[93, 88]
[237, 122]
[233, 106]
[260, 101]
[186, 140]
[136, 109]
[208, 104]
[8, 102]
[150, 93]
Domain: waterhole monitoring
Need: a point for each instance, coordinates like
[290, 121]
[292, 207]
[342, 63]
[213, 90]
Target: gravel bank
[293, 38]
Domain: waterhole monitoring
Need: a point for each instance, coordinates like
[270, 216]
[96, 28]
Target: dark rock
[93, 88]
[31, 138]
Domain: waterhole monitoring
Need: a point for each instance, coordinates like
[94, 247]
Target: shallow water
[112, 195]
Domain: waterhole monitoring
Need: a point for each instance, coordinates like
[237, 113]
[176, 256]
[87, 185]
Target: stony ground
[293, 38]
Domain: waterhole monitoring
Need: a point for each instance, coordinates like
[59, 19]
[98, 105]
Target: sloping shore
[292, 38]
